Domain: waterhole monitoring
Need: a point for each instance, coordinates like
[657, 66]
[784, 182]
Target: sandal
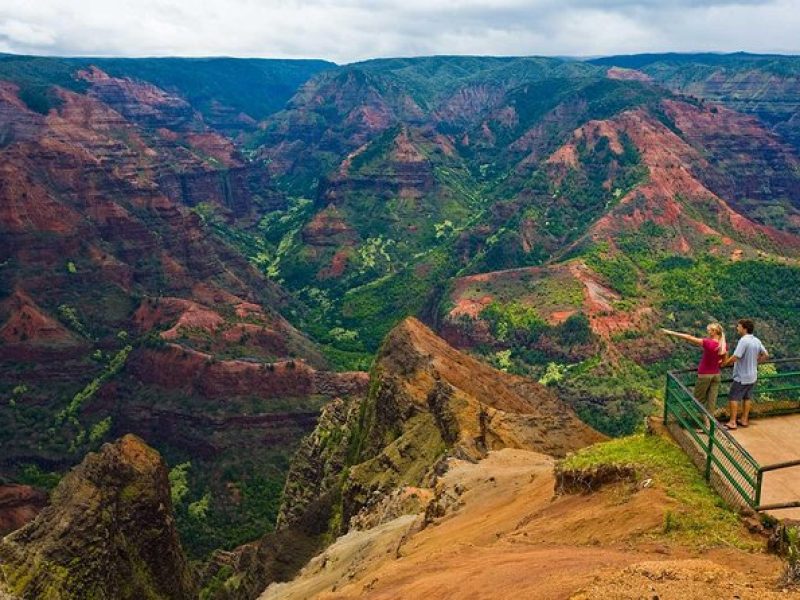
[740, 424]
[728, 427]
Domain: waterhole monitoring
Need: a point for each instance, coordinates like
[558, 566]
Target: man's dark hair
[748, 325]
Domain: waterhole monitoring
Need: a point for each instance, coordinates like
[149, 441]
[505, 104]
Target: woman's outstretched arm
[684, 336]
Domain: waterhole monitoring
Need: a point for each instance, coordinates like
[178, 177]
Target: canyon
[328, 296]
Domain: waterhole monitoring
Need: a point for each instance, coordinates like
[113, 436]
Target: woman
[708, 371]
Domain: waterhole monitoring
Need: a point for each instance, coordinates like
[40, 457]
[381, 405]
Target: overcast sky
[349, 30]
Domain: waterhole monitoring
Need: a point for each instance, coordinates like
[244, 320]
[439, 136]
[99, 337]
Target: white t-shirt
[745, 370]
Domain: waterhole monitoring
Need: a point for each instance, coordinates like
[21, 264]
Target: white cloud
[26, 34]
[347, 30]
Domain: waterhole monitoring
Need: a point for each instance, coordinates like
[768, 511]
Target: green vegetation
[711, 287]
[70, 316]
[99, 430]
[612, 398]
[556, 205]
[518, 326]
[700, 516]
[514, 322]
[32, 475]
[114, 366]
[229, 517]
[430, 78]
[375, 308]
[256, 87]
[178, 482]
[502, 360]
[617, 269]
[216, 586]
[199, 508]
[792, 575]
[36, 77]
[553, 373]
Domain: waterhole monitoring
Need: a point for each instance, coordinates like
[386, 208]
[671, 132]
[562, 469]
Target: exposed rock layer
[19, 504]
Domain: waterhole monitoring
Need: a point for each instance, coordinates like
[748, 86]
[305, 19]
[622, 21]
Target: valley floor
[503, 534]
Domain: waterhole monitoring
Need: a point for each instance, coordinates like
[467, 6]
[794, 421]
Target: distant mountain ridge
[221, 89]
[766, 85]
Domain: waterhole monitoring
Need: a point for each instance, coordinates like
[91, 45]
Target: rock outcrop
[426, 400]
[236, 189]
[429, 400]
[26, 322]
[109, 533]
[179, 368]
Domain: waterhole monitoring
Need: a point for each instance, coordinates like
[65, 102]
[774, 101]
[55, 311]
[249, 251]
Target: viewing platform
[770, 441]
[756, 467]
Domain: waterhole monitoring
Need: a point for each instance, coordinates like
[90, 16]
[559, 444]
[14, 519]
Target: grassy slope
[702, 518]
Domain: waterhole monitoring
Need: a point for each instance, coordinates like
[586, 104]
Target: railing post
[666, 400]
[759, 481]
[710, 450]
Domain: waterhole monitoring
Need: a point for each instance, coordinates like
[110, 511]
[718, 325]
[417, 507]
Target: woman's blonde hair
[716, 328]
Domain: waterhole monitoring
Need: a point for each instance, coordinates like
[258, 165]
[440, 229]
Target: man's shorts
[741, 391]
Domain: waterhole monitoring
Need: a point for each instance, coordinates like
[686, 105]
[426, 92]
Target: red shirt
[709, 363]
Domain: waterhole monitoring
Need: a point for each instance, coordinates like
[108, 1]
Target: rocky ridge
[427, 399]
[368, 460]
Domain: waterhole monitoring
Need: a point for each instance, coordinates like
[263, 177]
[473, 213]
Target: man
[749, 352]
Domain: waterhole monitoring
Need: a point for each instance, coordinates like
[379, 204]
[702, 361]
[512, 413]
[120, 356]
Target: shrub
[114, 366]
[199, 509]
[792, 574]
[514, 322]
[553, 374]
[179, 482]
[34, 476]
[99, 430]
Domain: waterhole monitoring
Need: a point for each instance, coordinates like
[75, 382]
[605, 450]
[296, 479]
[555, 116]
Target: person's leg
[733, 409]
[701, 389]
[745, 421]
[713, 392]
[748, 401]
[733, 405]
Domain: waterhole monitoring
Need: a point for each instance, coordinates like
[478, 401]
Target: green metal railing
[725, 463]
[777, 390]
